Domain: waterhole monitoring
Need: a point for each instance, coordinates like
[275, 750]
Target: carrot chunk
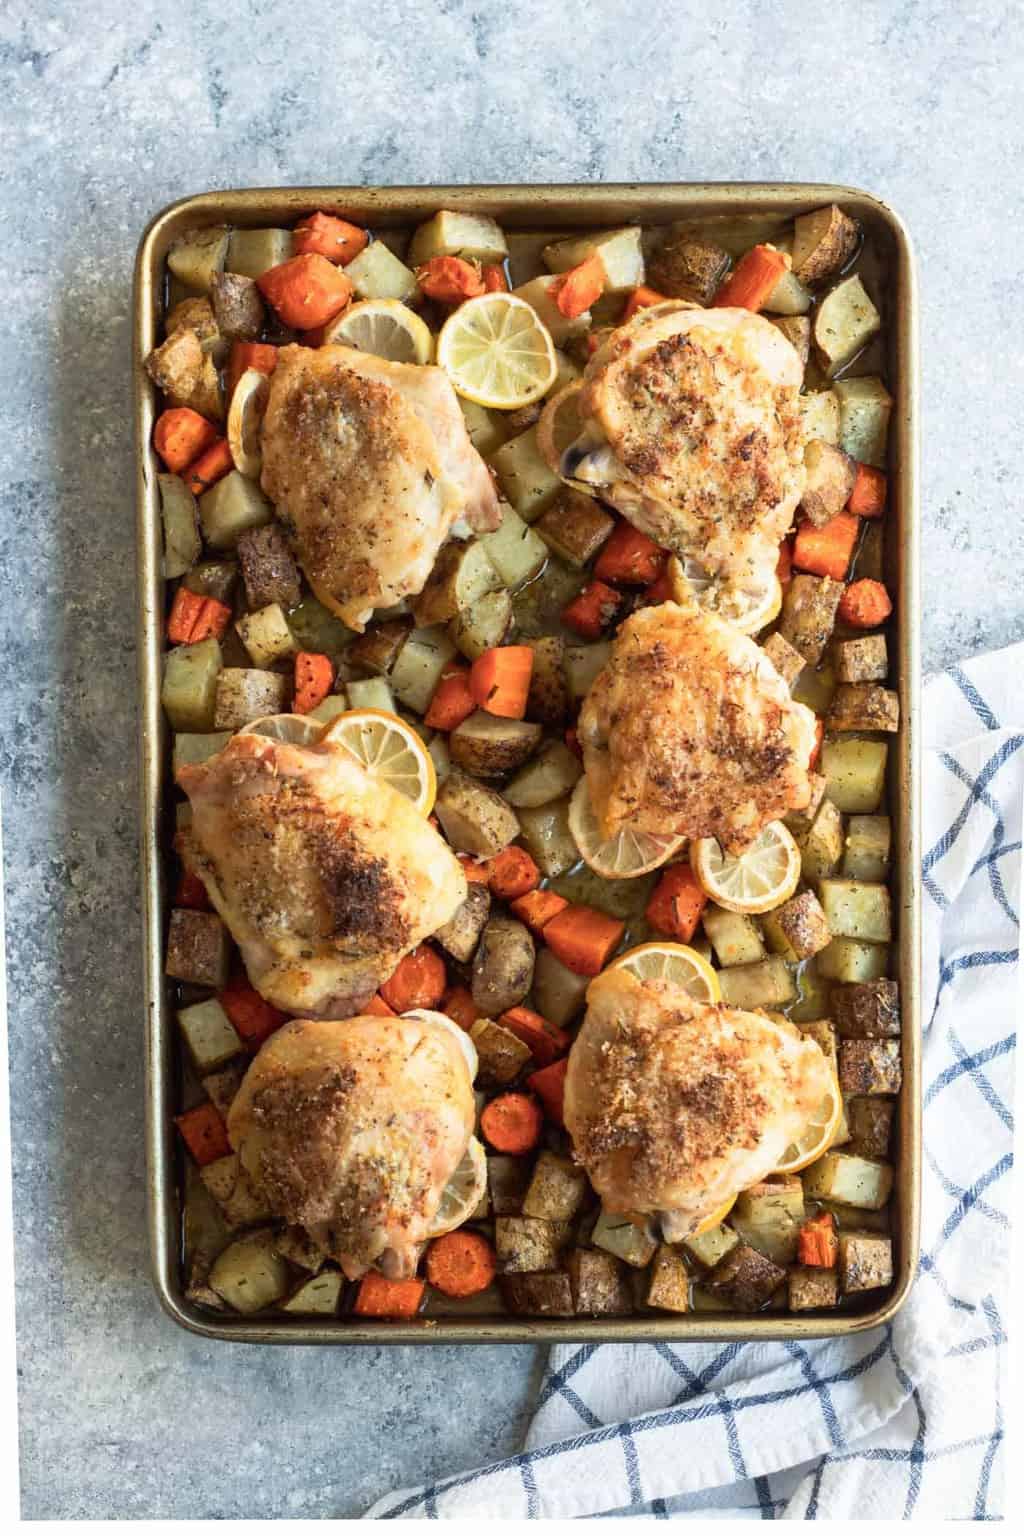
[378, 1007]
[630, 557]
[458, 1004]
[576, 290]
[499, 680]
[537, 908]
[865, 604]
[641, 298]
[449, 279]
[204, 1133]
[676, 903]
[495, 280]
[472, 868]
[194, 617]
[828, 550]
[756, 274]
[512, 1123]
[210, 467]
[181, 435]
[592, 610]
[452, 701]
[246, 355]
[512, 873]
[378, 1297]
[323, 234]
[659, 591]
[549, 1086]
[191, 893]
[253, 1017]
[546, 1040]
[306, 291]
[314, 679]
[867, 499]
[817, 1242]
[583, 938]
[461, 1263]
[418, 981]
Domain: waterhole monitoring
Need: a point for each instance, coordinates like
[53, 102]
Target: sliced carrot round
[512, 1123]
[461, 1263]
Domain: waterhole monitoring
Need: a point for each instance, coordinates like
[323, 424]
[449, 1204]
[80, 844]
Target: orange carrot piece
[549, 1086]
[181, 435]
[537, 908]
[378, 1297]
[592, 610]
[452, 701]
[546, 1041]
[641, 298]
[418, 981]
[461, 1263]
[458, 1004]
[314, 679]
[495, 280]
[246, 355]
[817, 1242]
[472, 868]
[306, 291]
[676, 903]
[204, 1133]
[449, 279]
[253, 1017]
[323, 234]
[378, 1007]
[583, 938]
[630, 557]
[867, 499]
[784, 568]
[750, 285]
[865, 604]
[576, 290]
[512, 873]
[819, 737]
[828, 550]
[194, 617]
[499, 680]
[210, 467]
[512, 1123]
[659, 591]
[191, 893]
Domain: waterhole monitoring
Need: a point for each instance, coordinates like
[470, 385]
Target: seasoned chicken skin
[674, 1106]
[691, 429]
[369, 464]
[352, 1128]
[689, 729]
[325, 876]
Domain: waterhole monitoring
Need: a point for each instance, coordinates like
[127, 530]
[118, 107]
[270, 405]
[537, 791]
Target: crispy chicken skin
[689, 729]
[369, 464]
[351, 1128]
[325, 876]
[673, 1106]
[691, 429]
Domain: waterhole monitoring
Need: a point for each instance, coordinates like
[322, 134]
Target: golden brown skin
[369, 464]
[689, 729]
[351, 1128]
[325, 876]
[674, 1106]
[692, 431]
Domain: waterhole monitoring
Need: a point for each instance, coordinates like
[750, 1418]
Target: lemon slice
[463, 1192]
[245, 418]
[715, 1219]
[560, 425]
[497, 352]
[628, 853]
[296, 730]
[817, 1138]
[760, 878]
[386, 327]
[672, 962]
[747, 611]
[389, 750]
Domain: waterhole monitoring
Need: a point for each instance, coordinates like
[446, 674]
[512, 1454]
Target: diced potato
[819, 412]
[865, 1262]
[557, 1189]
[490, 746]
[823, 242]
[526, 481]
[212, 578]
[870, 1066]
[476, 236]
[855, 773]
[545, 831]
[441, 757]
[575, 527]
[816, 686]
[814, 995]
[269, 572]
[189, 690]
[180, 514]
[197, 255]
[870, 1120]
[788, 297]
[376, 649]
[853, 1180]
[421, 661]
[462, 574]
[851, 960]
[316, 628]
[746, 1278]
[239, 1202]
[567, 374]
[704, 1300]
[197, 948]
[600, 1287]
[484, 625]
[230, 507]
[711, 1246]
[864, 660]
[502, 1054]
[868, 847]
[583, 663]
[209, 1034]
[507, 1181]
[799, 928]
[475, 818]
[523, 1243]
[514, 550]
[221, 1087]
[809, 613]
[857, 910]
[851, 1218]
[769, 1215]
[830, 479]
[822, 847]
[266, 636]
[844, 323]
[549, 694]
[370, 693]
[552, 774]
[502, 967]
[537, 293]
[619, 250]
[616, 1234]
[186, 373]
[318, 1296]
[687, 265]
[797, 331]
[377, 273]
[558, 993]
[735, 937]
[767, 984]
[251, 252]
[864, 707]
[248, 693]
[296, 1245]
[459, 935]
[486, 429]
[191, 747]
[785, 658]
[800, 822]
[870, 562]
[811, 1287]
[249, 1275]
[543, 1295]
[865, 406]
[868, 1011]
[237, 307]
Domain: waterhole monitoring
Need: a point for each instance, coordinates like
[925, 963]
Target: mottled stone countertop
[110, 111]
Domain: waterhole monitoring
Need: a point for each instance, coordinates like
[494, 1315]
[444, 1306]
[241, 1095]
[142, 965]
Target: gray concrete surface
[109, 111]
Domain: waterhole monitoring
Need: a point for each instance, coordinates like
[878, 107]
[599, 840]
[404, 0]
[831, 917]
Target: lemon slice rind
[384, 328]
[672, 962]
[747, 611]
[463, 1192]
[817, 1138]
[761, 878]
[296, 730]
[245, 417]
[497, 352]
[626, 855]
[389, 750]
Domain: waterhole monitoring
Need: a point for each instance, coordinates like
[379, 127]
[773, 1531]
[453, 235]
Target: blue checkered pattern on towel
[905, 1421]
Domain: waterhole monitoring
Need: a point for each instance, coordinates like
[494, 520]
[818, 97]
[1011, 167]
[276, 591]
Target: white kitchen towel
[904, 1421]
